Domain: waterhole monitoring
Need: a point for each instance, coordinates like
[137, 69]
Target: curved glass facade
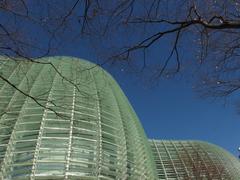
[85, 130]
[193, 160]
[66, 118]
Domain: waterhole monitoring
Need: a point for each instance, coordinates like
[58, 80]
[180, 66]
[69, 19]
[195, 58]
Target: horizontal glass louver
[84, 128]
[193, 160]
[80, 125]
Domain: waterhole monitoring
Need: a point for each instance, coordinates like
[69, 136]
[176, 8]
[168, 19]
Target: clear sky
[172, 110]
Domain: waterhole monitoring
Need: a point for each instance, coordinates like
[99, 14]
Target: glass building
[193, 160]
[66, 118]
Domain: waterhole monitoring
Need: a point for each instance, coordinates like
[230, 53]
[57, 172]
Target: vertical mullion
[3, 168]
[170, 158]
[37, 149]
[10, 103]
[99, 126]
[123, 134]
[10, 75]
[210, 159]
[183, 163]
[160, 158]
[70, 135]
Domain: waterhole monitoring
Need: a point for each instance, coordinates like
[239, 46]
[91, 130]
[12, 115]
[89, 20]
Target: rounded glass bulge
[66, 118]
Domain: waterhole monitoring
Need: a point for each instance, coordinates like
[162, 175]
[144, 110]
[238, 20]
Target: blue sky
[172, 110]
